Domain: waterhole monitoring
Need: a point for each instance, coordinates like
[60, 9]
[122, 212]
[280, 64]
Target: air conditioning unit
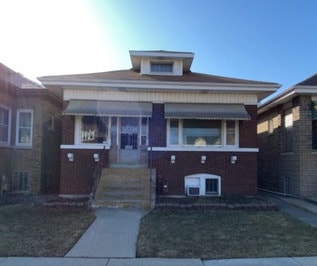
[193, 191]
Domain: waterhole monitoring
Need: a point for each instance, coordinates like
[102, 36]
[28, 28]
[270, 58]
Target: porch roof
[206, 111]
[108, 108]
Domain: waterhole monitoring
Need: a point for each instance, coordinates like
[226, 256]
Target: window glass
[144, 130]
[94, 129]
[174, 129]
[157, 67]
[288, 132]
[201, 132]
[4, 125]
[231, 132]
[21, 181]
[24, 127]
[212, 186]
[50, 122]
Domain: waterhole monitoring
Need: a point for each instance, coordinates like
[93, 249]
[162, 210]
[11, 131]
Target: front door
[129, 140]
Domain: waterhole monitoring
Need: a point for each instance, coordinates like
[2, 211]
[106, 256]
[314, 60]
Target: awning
[206, 111]
[108, 108]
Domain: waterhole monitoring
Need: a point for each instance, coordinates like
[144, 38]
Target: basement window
[21, 181]
[202, 184]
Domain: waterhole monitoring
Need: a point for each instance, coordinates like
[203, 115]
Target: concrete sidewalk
[305, 261]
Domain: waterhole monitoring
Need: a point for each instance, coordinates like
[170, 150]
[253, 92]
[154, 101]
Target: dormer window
[161, 67]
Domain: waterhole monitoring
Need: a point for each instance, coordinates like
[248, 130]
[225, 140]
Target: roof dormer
[161, 62]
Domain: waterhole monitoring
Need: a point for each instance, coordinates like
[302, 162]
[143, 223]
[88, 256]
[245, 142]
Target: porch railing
[96, 176]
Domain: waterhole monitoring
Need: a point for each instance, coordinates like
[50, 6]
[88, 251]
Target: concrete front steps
[124, 188]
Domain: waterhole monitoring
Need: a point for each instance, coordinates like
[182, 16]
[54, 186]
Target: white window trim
[236, 134]
[162, 72]
[223, 136]
[77, 135]
[17, 143]
[5, 143]
[146, 133]
[201, 178]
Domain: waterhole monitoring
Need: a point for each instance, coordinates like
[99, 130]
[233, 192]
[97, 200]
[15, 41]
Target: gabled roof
[305, 87]
[136, 76]
[17, 79]
[311, 81]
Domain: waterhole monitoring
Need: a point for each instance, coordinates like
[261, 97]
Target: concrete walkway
[300, 209]
[113, 234]
[111, 241]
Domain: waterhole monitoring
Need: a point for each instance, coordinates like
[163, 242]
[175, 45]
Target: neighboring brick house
[30, 134]
[287, 133]
[198, 131]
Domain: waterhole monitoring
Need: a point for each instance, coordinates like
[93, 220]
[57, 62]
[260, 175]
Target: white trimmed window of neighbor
[5, 124]
[24, 129]
[194, 132]
[203, 185]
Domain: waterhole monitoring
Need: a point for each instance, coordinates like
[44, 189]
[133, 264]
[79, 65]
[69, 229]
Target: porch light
[233, 159]
[173, 158]
[203, 159]
[96, 157]
[70, 157]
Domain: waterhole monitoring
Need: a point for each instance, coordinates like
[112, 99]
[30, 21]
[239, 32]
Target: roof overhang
[262, 90]
[108, 108]
[185, 57]
[287, 95]
[206, 111]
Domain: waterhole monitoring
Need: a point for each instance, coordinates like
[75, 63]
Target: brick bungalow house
[30, 135]
[287, 132]
[197, 131]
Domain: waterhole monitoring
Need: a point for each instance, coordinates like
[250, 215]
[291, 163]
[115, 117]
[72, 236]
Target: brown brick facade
[293, 172]
[41, 160]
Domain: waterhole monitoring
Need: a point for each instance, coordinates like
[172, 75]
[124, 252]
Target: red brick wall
[248, 129]
[68, 125]
[238, 178]
[77, 176]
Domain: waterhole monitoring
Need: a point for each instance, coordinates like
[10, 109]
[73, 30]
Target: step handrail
[96, 176]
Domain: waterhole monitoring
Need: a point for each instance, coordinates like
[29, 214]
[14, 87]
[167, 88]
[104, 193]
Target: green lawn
[27, 230]
[224, 234]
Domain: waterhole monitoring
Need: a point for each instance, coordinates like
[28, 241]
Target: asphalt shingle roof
[136, 76]
[311, 81]
[17, 79]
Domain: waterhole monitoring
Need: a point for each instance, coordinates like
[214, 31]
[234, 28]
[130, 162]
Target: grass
[224, 234]
[27, 230]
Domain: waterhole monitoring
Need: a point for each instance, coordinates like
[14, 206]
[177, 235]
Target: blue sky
[267, 40]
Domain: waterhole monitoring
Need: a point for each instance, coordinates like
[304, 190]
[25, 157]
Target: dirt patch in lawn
[27, 230]
[224, 234]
